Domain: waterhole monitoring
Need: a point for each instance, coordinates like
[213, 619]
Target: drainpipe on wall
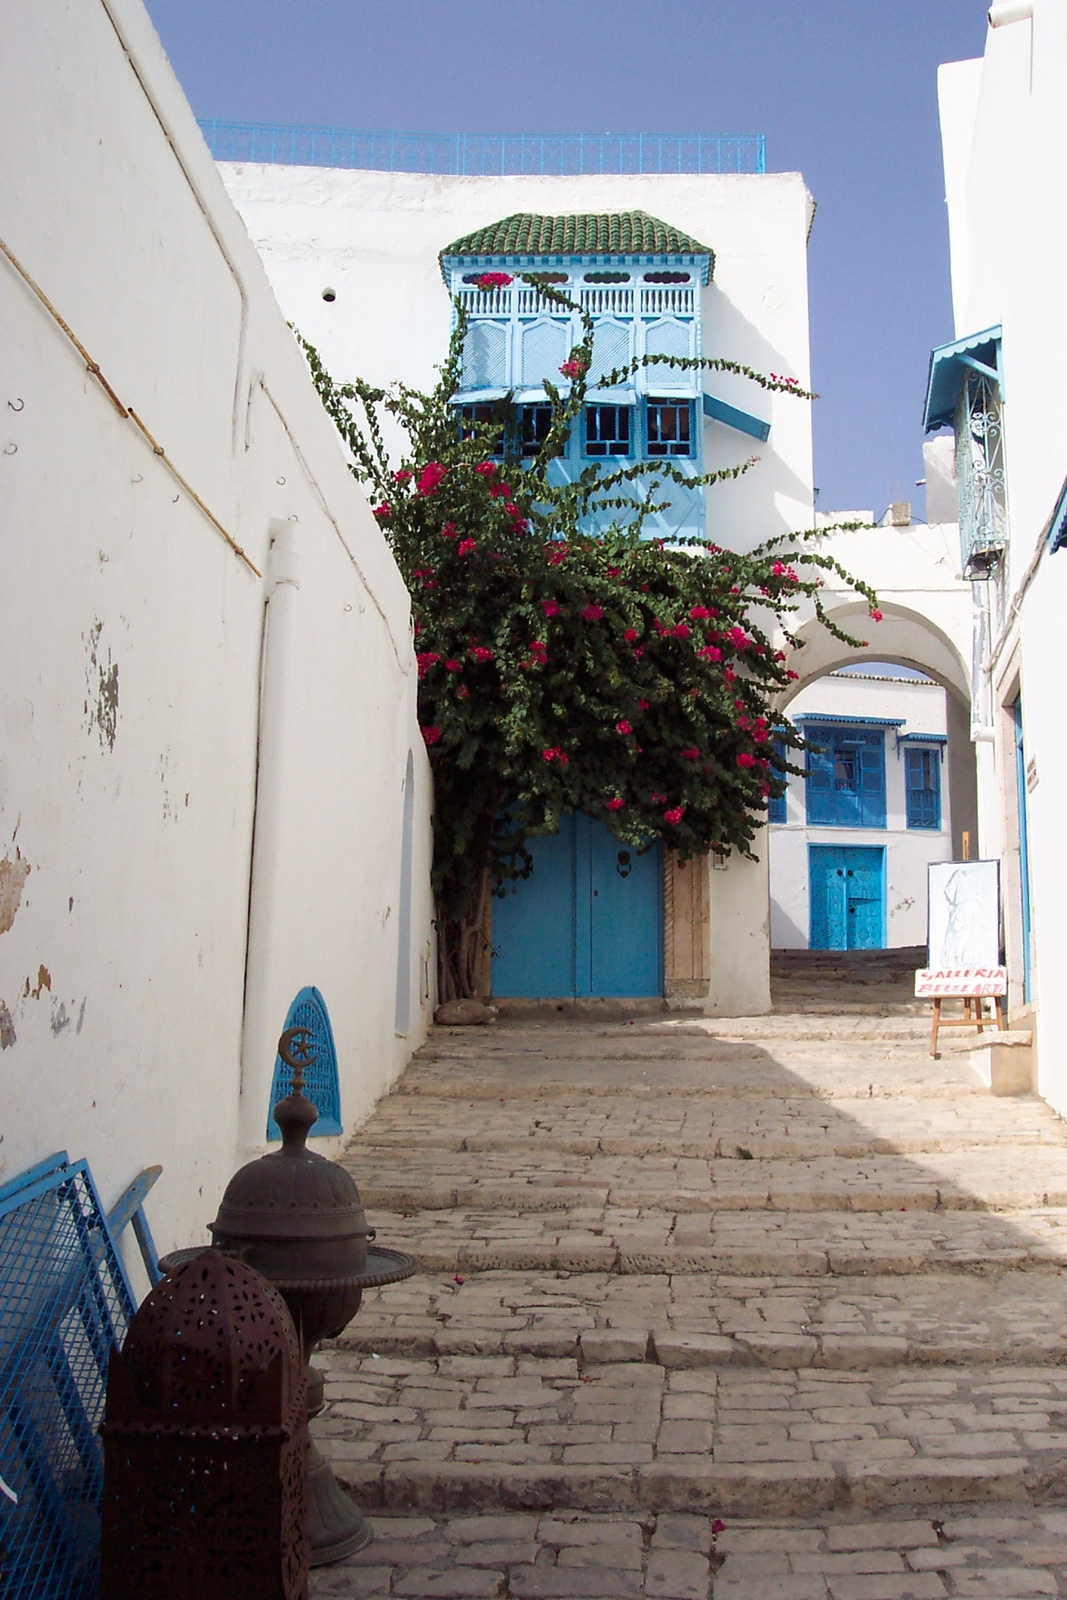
[266, 912]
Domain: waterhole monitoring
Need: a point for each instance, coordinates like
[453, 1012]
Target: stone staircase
[777, 1271]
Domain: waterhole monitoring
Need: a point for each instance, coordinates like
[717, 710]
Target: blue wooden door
[587, 921]
[846, 889]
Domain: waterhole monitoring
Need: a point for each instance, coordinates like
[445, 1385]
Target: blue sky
[845, 91]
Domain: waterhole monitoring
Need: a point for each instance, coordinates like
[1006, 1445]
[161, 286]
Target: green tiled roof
[612, 233]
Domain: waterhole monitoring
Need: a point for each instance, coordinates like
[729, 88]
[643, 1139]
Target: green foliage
[562, 671]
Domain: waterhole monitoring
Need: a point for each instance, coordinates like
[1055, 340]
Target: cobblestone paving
[757, 1309]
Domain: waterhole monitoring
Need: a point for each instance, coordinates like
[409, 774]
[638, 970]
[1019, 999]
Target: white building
[997, 382]
[214, 793]
[850, 842]
[716, 262]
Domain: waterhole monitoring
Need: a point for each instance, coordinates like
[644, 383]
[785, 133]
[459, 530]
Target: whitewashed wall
[1004, 134]
[130, 926]
[922, 707]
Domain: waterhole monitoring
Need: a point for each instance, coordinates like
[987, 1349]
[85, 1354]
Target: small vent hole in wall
[329, 294]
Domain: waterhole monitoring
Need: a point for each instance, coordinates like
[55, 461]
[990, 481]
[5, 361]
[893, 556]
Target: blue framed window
[846, 778]
[321, 1079]
[669, 428]
[608, 430]
[922, 788]
[534, 424]
[485, 413]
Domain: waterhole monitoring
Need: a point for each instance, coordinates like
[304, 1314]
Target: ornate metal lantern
[205, 1443]
[298, 1219]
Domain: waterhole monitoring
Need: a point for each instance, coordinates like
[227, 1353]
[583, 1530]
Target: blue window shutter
[922, 788]
[776, 805]
[846, 781]
[872, 782]
[321, 1082]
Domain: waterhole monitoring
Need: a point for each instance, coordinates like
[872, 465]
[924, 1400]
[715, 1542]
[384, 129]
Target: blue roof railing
[484, 154]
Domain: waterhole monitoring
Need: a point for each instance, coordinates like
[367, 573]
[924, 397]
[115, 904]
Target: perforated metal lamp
[298, 1219]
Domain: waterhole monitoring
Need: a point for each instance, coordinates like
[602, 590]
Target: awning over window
[949, 365]
[478, 397]
[850, 721]
[1057, 528]
[719, 411]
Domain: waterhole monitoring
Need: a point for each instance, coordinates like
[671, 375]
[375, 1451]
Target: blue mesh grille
[321, 1083]
[64, 1304]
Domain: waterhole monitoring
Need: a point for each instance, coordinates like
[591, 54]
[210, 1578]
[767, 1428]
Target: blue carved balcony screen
[65, 1303]
[922, 788]
[846, 777]
[321, 1081]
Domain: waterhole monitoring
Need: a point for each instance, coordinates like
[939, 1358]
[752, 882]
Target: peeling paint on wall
[13, 875]
[8, 1036]
[44, 981]
[101, 704]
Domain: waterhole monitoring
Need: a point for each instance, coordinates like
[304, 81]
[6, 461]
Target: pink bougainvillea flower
[511, 508]
[681, 630]
[623, 727]
[571, 368]
[746, 760]
[430, 477]
[729, 674]
[402, 476]
[739, 638]
[449, 531]
[591, 613]
[639, 651]
[793, 676]
[658, 799]
[614, 572]
[494, 280]
[465, 547]
[630, 635]
[616, 804]
[643, 705]
[698, 613]
[550, 608]
[550, 753]
[779, 569]
[710, 652]
[431, 735]
[463, 692]
[480, 653]
[384, 511]
[453, 666]
[486, 468]
[765, 789]
[779, 655]
[674, 815]
[690, 753]
[422, 572]
[876, 616]
[555, 555]
[426, 659]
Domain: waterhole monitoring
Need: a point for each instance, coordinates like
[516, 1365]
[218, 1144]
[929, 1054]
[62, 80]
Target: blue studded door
[588, 921]
[847, 897]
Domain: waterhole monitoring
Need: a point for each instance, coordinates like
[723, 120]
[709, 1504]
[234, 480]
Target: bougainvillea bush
[562, 670]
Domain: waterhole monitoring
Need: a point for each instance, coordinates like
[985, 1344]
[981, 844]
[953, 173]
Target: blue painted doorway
[846, 885]
[588, 921]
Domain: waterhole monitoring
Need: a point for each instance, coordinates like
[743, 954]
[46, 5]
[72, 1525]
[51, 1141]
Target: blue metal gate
[846, 886]
[587, 921]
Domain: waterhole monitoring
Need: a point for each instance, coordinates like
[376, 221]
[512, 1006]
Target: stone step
[1004, 1550]
[461, 1432]
[942, 1318]
[748, 1243]
[530, 1181]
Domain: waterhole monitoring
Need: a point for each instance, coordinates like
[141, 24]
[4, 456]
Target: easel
[973, 1013]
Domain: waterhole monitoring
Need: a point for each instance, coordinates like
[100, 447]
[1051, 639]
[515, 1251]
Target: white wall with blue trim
[206, 755]
[874, 812]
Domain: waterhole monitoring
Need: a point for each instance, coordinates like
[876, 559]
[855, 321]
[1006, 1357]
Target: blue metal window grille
[65, 1304]
[478, 154]
[321, 1082]
[669, 428]
[922, 788]
[846, 779]
[608, 430]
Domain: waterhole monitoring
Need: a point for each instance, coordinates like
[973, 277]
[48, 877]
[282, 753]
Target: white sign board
[964, 915]
[933, 982]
